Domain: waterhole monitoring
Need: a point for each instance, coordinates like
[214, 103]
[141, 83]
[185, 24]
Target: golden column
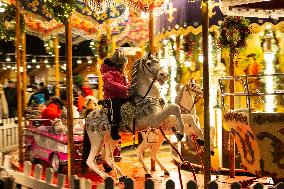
[207, 157]
[18, 64]
[69, 87]
[56, 65]
[24, 74]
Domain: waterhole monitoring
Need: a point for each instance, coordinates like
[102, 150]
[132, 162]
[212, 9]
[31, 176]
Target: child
[115, 88]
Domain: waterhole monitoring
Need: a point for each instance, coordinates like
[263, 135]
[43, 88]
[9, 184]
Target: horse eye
[148, 63]
[192, 85]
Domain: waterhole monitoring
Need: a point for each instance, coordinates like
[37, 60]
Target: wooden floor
[132, 168]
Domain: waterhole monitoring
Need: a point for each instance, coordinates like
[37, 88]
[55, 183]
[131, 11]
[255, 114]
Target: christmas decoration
[8, 23]
[102, 47]
[234, 31]
[61, 9]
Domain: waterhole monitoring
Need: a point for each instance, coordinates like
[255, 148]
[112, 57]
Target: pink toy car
[45, 144]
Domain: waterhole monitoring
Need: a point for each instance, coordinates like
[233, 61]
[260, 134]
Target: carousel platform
[132, 168]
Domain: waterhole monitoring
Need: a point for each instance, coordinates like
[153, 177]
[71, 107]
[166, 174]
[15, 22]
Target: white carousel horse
[153, 139]
[148, 112]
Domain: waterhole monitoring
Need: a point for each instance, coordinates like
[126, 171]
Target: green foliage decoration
[61, 9]
[8, 23]
[234, 32]
[102, 47]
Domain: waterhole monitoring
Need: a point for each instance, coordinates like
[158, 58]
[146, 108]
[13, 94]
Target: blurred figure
[43, 90]
[86, 88]
[3, 104]
[11, 96]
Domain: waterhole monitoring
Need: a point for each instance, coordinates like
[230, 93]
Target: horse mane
[179, 95]
[134, 78]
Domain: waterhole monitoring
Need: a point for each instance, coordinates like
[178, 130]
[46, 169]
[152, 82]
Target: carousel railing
[252, 87]
[9, 135]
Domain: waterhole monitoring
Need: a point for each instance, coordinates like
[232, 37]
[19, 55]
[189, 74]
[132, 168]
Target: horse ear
[155, 54]
[149, 55]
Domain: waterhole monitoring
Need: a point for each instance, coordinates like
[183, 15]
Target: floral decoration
[234, 31]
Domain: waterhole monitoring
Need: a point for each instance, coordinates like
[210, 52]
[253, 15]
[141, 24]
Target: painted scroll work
[260, 141]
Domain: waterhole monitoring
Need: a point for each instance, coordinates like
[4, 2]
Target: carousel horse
[186, 98]
[143, 111]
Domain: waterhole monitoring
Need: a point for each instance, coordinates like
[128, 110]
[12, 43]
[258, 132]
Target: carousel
[209, 79]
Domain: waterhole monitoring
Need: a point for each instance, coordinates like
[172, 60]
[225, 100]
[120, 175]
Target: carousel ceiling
[253, 8]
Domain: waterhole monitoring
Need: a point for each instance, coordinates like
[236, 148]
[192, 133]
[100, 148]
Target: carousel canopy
[253, 8]
[183, 16]
[85, 22]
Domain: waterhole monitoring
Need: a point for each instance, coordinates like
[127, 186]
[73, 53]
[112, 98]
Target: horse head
[152, 68]
[193, 87]
[147, 70]
[188, 96]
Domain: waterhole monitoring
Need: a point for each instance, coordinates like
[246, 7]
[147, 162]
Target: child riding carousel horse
[115, 88]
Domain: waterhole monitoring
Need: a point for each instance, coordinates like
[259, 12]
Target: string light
[45, 61]
[33, 60]
[8, 59]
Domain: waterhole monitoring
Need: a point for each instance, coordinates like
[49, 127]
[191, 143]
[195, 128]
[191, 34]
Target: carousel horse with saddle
[144, 109]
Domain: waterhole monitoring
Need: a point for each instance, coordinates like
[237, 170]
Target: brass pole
[18, 64]
[151, 49]
[24, 64]
[56, 65]
[206, 79]
[231, 137]
[69, 87]
[100, 82]
[151, 31]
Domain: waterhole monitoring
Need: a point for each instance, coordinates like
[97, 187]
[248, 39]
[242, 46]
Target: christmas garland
[234, 31]
[61, 9]
[102, 47]
[8, 23]
[49, 46]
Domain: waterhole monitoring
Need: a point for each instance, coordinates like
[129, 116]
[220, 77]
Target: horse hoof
[200, 142]
[122, 179]
[148, 175]
[166, 173]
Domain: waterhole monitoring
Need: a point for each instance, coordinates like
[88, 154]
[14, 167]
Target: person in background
[43, 90]
[3, 104]
[86, 88]
[11, 96]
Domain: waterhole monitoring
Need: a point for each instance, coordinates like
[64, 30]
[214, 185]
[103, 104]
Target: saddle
[126, 111]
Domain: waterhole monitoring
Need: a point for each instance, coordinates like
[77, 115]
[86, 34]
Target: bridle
[155, 74]
[196, 99]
